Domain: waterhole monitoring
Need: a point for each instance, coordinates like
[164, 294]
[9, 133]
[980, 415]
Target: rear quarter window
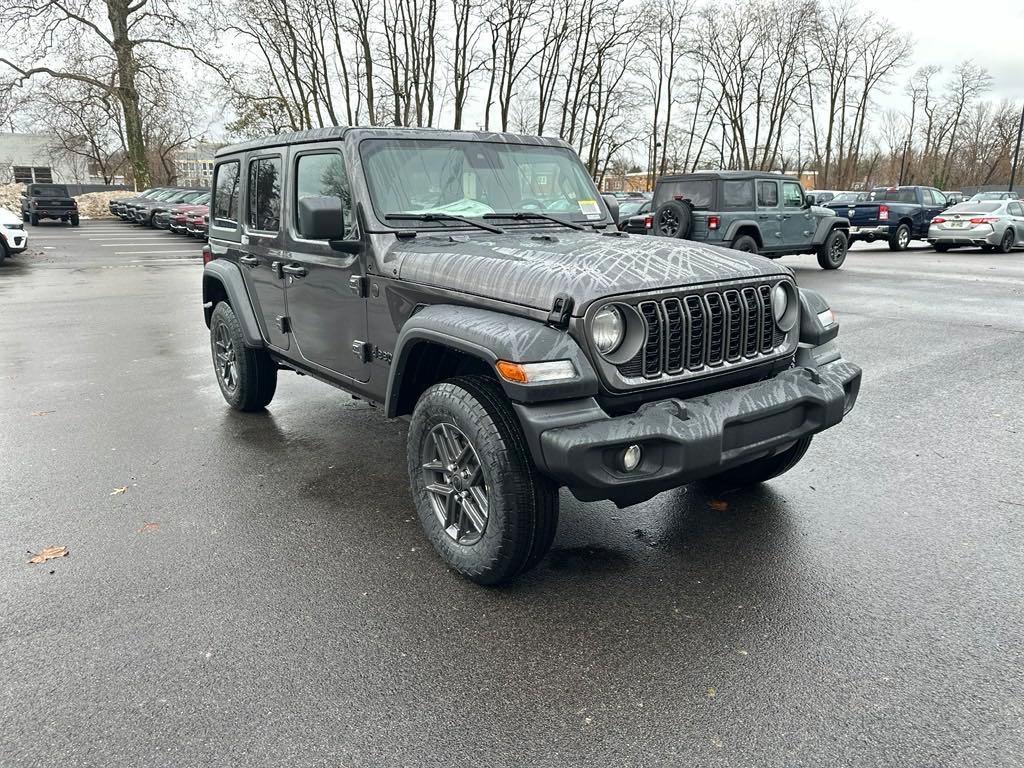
[738, 194]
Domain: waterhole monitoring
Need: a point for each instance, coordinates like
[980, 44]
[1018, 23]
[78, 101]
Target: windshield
[971, 207]
[846, 197]
[49, 190]
[628, 209]
[700, 192]
[991, 196]
[472, 179]
[895, 194]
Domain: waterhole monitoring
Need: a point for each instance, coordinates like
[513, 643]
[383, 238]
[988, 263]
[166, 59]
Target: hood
[9, 219]
[530, 269]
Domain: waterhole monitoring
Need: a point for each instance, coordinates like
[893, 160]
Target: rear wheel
[74, 220]
[832, 253]
[482, 503]
[247, 377]
[674, 218]
[760, 470]
[900, 239]
[1006, 244]
[33, 219]
[744, 243]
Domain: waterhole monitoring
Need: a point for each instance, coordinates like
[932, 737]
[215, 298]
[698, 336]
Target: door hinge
[358, 285]
[284, 323]
[361, 349]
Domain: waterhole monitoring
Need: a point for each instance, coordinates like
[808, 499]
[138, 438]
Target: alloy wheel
[454, 482]
[668, 223]
[904, 238]
[835, 253]
[224, 355]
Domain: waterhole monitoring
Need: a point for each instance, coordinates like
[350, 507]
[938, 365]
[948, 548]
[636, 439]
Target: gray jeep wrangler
[476, 284]
[749, 211]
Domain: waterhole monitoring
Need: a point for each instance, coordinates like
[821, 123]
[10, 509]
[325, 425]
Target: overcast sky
[945, 32]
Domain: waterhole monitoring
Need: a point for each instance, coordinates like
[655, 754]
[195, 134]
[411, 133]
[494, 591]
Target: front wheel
[900, 239]
[247, 377]
[482, 503]
[760, 470]
[832, 253]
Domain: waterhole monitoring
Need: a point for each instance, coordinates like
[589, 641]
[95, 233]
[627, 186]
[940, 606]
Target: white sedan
[13, 238]
[992, 226]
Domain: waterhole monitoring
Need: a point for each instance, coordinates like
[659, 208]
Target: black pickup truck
[48, 201]
[895, 214]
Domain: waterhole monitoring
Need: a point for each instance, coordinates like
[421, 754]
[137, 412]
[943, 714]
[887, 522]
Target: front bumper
[16, 242]
[580, 446]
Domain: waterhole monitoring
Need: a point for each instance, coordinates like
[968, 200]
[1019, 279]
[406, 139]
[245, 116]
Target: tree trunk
[127, 93]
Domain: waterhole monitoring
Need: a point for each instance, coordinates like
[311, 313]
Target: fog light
[631, 457]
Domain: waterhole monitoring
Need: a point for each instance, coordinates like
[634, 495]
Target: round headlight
[608, 330]
[780, 302]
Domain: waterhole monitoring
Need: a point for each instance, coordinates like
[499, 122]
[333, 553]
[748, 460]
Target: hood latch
[561, 311]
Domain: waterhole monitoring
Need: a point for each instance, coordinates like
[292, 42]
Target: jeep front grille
[699, 332]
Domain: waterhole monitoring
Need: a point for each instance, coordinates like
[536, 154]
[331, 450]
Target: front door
[797, 221]
[262, 245]
[326, 308]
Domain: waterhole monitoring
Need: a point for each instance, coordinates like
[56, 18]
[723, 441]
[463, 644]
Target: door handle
[249, 261]
[296, 270]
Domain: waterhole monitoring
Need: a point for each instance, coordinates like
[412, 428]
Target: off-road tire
[3, 252]
[760, 470]
[900, 239]
[33, 219]
[256, 379]
[1006, 244]
[832, 252]
[744, 243]
[74, 221]
[941, 247]
[673, 218]
[522, 504]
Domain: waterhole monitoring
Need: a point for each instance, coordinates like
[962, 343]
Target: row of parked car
[185, 211]
[773, 215]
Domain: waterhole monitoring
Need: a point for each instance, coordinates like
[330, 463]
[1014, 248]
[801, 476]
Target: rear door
[934, 204]
[1016, 211]
[262, 243]
[228, 240]
[326, 307]
[769, 215]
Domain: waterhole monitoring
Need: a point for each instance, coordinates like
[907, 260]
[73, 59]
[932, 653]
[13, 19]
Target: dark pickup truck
[895, 214]
[48, 201]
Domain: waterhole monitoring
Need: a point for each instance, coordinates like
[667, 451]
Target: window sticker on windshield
[589, 209]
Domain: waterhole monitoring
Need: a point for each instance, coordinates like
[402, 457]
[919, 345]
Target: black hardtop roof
[730, 175]
[339, 132]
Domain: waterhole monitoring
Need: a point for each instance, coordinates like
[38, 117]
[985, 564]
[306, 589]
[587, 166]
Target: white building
[34, 157]
[194, 166]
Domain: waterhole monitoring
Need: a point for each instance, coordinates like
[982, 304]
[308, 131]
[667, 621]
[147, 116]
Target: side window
[938, 198]
[737, 194]
[1016, 209]
[225, 195]
[323, 175]
[265, 194]
[768, 194]
[792, 195]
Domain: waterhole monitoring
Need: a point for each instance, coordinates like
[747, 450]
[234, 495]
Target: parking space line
[141, 253]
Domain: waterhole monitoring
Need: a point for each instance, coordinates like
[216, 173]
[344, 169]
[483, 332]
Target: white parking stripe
[142, 253]
[155, 261]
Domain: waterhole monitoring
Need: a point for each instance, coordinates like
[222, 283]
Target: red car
[196, 221]
[177, 219]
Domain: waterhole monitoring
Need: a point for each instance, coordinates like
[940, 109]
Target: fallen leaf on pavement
[40, 413]
[711, 693]
[49, 553]
[718, 505]
[149, 527]
[119, 491]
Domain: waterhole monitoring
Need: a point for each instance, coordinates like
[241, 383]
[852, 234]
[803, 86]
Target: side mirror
[808, 200]
[321, 218]
[613, 207]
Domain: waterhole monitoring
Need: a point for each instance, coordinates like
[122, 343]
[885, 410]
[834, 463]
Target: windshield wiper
[441, 217]
[526, 215]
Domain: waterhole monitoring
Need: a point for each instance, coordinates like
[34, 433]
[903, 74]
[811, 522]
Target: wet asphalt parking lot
[261, 594]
